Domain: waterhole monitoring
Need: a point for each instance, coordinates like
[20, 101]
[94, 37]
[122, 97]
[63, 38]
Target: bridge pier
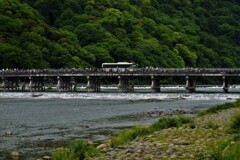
[3, 83]
[155, 86]
[123, 85]
[36, 84]
[225, 84]
[74, 86]
[10, 84]
[93, 84]
[190, 85]
[64, 84]
[23, 87]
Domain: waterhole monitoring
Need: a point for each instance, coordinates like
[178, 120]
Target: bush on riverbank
[168, 122]
[130, 134]
[77, 151]
[139, 131]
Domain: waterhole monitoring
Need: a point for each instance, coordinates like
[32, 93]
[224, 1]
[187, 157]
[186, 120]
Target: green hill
[84, 33]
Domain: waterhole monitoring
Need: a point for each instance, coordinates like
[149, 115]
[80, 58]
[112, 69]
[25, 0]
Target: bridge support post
[64, 84]
[74, 86]
[10, 84]
[190, 85]
[36, 84]
[93, 84]
[30, 84]
[155, 86]
[123, 85]
[225, 84]
[23, 87]
[3, 84]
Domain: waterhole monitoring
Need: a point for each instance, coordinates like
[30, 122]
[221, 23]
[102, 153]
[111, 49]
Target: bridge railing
[121, 70]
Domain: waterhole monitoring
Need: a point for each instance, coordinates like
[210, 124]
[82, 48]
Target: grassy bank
[140, 131]
[213, 134]
[228, 150]
[219, 108]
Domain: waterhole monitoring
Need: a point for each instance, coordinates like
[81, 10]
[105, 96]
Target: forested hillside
[85, 33]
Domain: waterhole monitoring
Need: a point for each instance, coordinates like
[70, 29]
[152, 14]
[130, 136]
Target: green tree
[227, 63]
[89, 33]
[13, 57]
[101, 54]
[189, 57]
[50, 9]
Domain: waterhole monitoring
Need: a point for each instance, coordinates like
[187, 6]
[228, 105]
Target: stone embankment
[184, 142]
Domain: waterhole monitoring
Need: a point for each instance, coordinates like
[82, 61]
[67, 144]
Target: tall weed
[167, 122]
[234, 126]
[77, 151]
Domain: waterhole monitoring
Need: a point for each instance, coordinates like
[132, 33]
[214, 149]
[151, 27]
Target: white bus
[118, 65]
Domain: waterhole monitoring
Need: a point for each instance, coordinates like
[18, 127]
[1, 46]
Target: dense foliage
[82, 33]
[78, 150]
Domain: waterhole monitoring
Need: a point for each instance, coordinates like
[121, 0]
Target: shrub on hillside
[77, 151]
[234, 126]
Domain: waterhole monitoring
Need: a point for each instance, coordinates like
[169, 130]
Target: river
[35, 125]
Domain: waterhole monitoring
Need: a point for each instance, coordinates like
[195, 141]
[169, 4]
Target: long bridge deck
[213, 72]
[36, 78]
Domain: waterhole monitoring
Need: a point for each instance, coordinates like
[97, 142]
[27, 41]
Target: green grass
[139, 131]
[168, 122]
[232, 152]
[228, 150]
[130, 134]
[78, 150]
[219, 108]
[211, 125]
[234, 126]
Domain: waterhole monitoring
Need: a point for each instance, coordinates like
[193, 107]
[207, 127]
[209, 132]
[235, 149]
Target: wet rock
[170, 150]
[157, 113]
[90, 142]
[15, 155]
[8, 133]
[47, 158]
[173, 156]
[130, 150]
[140, 151]
[102, 146]
[181, 143]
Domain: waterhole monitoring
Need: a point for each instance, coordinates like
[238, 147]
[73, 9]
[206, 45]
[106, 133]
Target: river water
[33, 125]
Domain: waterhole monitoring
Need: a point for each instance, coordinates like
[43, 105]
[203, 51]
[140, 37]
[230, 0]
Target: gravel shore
[185, 142]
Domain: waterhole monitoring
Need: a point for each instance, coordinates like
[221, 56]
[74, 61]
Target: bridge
[35, 79]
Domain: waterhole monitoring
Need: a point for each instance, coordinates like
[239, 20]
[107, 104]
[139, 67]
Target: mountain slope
[158, 33]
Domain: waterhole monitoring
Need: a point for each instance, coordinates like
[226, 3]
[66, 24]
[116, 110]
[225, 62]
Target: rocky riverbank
[191, 138]
[159, 113]
[185, 142]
